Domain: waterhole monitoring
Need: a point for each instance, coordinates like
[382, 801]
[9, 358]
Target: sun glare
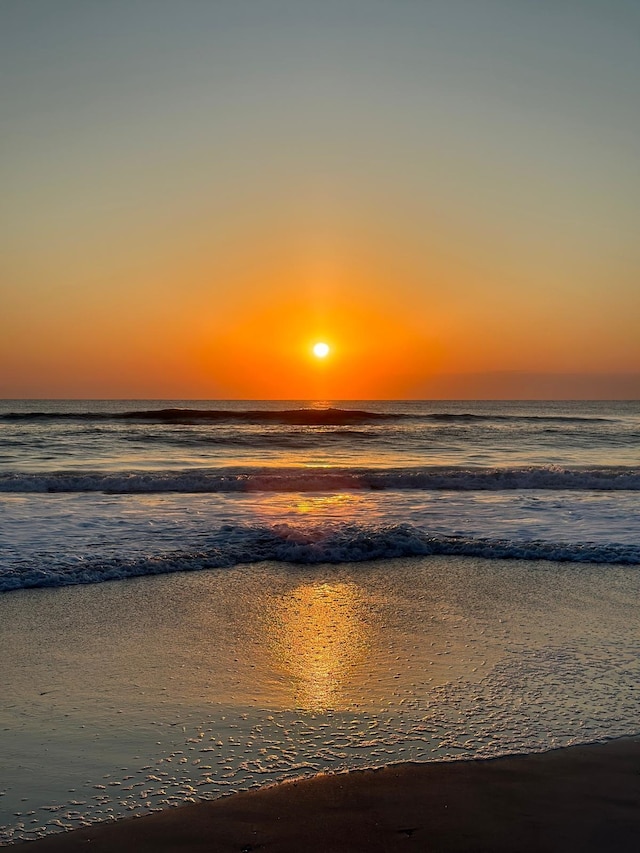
[321, 350]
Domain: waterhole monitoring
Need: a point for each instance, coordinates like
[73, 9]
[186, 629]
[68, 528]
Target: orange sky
[449, 199]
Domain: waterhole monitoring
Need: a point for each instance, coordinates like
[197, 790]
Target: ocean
[94, 491]
[335, 585]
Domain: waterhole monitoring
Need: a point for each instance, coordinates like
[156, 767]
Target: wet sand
[581, 798]
[128, 697]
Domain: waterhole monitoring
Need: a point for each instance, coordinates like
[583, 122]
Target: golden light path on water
[315, 509]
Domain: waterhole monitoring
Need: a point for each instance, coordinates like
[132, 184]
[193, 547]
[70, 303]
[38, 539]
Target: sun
[321, 350]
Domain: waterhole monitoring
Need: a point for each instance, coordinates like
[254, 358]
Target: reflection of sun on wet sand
[195, 685]
[318, 637]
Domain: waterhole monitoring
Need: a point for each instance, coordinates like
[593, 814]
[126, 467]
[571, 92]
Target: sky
[196, 192]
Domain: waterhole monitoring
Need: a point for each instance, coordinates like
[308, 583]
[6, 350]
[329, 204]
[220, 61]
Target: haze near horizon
[444, 193]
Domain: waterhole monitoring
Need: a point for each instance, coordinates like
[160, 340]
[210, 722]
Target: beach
[201, 599]
[141, 695]
[320, 426]
[582, 798]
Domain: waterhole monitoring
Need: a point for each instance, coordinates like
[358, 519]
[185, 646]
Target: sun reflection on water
[319, 637]
[340, 506]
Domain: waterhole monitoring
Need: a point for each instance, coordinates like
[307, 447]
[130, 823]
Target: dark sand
[583, 798]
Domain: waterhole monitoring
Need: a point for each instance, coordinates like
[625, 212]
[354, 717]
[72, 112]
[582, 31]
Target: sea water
[336, 585]
[93, 491]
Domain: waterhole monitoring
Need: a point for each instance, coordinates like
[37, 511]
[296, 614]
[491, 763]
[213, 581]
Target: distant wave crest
[203, 480]
[320, 417]
[296, 417]
[310, 545]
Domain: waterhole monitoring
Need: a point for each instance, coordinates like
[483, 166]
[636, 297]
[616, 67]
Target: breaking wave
[214, 480]
[235, 545]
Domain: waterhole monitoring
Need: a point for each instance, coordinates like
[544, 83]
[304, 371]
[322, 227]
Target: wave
[214, 480]
[472, 417]
[297, 417]
[289, 439]
[302, 417]
[235, 545]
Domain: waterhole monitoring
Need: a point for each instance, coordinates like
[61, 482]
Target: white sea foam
[70, 538]
[312, 479]
[417, 470]
[287, 543]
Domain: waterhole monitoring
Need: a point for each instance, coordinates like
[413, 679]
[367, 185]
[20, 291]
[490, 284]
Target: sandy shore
[128, 697]
[582, 798]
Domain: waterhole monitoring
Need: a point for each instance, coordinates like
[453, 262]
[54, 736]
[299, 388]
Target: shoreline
[140, 696]
[577, 798]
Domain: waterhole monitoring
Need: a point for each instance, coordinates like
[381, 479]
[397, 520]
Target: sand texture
[582, 798]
